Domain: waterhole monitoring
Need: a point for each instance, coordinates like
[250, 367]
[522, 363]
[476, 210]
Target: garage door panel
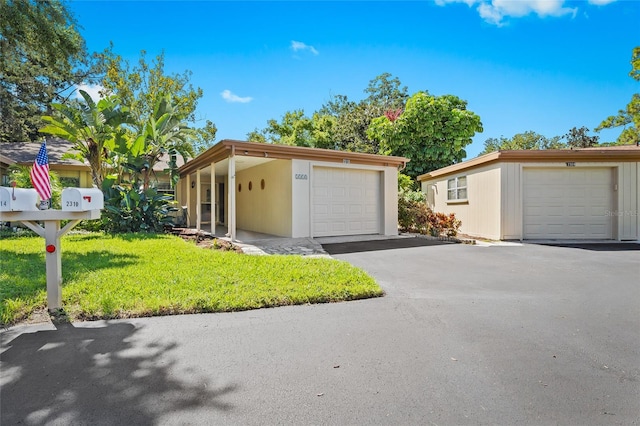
[354, 205]
[567, 203]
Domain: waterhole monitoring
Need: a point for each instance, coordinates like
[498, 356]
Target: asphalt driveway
[465, 335]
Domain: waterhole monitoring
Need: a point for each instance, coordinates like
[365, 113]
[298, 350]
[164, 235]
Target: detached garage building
[290, 191]
[579, 194]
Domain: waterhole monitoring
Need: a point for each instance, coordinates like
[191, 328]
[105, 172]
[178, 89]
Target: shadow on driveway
[597, 246]
[95, 375]
[375, 245]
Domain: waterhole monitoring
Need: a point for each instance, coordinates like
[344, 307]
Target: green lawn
[143, 275]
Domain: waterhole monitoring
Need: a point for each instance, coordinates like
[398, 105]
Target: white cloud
[92, 90]
[495, 11]
[230, 97]
[601, 2]
[300, 46]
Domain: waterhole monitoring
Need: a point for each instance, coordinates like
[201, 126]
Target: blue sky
[541, 65]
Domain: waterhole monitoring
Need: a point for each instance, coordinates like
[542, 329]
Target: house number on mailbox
[301, 176]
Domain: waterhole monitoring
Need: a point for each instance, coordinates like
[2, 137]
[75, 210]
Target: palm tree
[94, 129]
[164, 132]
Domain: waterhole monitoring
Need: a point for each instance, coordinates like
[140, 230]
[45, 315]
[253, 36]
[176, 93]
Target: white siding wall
[300, 196]
[628, 201]
[511, 201]
[480, 215]
[494, 209]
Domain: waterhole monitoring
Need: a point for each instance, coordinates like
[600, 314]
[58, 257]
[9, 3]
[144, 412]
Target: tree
[352, 119]
[578, 138]
[95, 129]
[140, 87]
[42, 56]
[164, 132]
[340, 123]
[628, 118]
[386, 92]
[432, 131]
[526, 140]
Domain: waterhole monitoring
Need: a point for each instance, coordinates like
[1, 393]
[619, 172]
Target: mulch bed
[204, 239]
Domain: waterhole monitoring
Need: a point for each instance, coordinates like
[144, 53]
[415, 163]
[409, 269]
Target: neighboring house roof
[594, 154]
[227, 147]
[24, 153]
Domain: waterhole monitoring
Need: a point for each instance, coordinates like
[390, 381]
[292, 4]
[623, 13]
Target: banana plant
[94, 129]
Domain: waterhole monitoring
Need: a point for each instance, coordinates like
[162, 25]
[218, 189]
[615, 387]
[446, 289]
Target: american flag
[40, 174]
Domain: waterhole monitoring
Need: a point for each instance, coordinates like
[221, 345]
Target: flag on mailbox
[40, 174]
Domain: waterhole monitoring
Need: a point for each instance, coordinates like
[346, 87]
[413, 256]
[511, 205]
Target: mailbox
[82, 199]
[18, 199]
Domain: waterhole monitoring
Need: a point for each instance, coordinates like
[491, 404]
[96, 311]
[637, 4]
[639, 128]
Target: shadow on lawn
[24, 275]
[33, 266]
[96, 375]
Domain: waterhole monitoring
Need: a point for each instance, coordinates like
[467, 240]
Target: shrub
[130, 209]
[415, 216]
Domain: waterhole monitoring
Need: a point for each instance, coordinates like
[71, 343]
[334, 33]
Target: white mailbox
[82, 199]
[18, 199]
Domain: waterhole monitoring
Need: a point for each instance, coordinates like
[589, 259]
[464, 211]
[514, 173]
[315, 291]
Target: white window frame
[453, 188]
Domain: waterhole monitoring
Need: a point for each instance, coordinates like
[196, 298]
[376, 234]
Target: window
[457, 189]
[69, 182]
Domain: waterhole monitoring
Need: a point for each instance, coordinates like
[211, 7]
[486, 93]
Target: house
[290, 191]
[72, 173]
[569, 194]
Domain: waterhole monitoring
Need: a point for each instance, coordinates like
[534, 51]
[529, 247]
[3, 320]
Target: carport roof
[227, 147]
[596, 154]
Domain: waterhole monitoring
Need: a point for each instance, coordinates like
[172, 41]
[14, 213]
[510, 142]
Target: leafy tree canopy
[42, 56]
[526, 140]
[432, 131]
[628, 118]
[578, 138]
[574, 138]
[141, 86]
[340, 123]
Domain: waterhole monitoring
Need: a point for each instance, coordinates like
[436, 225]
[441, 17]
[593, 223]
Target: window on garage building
[457, 188]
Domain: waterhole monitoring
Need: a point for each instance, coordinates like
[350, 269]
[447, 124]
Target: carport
[290, 191]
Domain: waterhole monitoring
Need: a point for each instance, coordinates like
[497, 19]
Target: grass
[145, 275]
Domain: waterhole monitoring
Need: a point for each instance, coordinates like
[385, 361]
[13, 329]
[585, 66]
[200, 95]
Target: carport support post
[232, 195]
[188, 200]
[198, 201]
[213, 198]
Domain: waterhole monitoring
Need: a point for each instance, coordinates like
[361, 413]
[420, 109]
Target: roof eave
[225, 147]
[540, 156]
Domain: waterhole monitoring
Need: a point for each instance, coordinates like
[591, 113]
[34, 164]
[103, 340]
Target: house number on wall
[571, 164]
[301, 176]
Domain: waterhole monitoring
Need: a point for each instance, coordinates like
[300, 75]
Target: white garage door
[568, 203]
[346, 202]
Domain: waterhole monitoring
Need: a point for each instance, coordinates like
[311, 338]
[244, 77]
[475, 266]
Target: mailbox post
[87, 208]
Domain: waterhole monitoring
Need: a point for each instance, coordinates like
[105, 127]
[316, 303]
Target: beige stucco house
[290, 191]
[589, 193]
